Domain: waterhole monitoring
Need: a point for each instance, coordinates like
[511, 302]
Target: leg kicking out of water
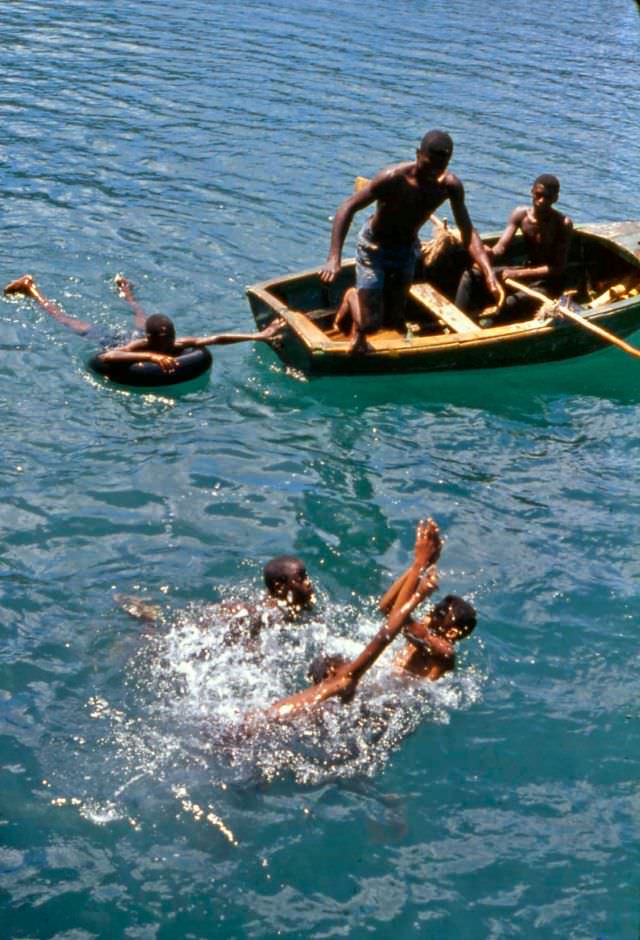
[26, 286]
[125, 290]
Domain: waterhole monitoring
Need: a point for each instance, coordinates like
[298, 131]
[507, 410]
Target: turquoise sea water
[200, 147]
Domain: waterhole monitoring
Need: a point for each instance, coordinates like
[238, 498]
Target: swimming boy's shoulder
[243, 621]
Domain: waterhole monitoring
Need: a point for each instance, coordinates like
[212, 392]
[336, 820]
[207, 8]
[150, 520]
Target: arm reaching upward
[427, 552]
[346, 679]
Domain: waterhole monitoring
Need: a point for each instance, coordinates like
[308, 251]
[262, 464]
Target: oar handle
[574, 317]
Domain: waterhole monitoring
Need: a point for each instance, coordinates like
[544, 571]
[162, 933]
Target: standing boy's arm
[342, 220]
[470, 238]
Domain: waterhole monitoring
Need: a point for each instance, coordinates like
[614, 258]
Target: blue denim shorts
[375, 262]
[110, 339]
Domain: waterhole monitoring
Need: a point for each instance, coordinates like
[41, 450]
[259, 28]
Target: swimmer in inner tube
[156, 339]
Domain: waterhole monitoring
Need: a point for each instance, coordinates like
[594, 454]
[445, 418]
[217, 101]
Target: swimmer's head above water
[452, 618]
[160, 333]
[287, 580]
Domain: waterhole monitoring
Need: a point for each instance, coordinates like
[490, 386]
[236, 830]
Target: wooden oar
[573, 316]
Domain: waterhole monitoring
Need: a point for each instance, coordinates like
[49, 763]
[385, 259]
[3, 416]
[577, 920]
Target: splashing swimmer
[159, 343]
[289, 593]
[429, 652]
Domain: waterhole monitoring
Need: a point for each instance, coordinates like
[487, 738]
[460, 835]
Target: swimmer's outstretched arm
[268, 335]
[427, 552]
[421, 636]
[26, 286]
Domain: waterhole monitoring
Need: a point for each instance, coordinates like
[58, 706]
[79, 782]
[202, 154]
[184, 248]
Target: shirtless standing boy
[406, 195]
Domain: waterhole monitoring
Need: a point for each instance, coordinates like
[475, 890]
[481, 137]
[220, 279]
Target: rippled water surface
[199, 147]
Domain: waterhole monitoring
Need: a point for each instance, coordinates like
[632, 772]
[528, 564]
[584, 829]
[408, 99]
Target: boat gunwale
[317, 342]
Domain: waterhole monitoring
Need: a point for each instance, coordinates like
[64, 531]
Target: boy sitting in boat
[547, 236]
[156, 339]
[388, 246]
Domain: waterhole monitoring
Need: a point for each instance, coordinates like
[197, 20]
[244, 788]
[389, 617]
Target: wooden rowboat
[603, 276]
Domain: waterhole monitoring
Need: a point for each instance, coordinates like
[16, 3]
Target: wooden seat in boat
[443, 309]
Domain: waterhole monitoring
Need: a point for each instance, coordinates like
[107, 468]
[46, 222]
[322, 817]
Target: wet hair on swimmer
[158, 323]
[457, 609]
[550, 182]
[280, 569]
[323, 666]
[436, 142]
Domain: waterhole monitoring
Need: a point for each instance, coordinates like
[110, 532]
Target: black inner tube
[191, 363]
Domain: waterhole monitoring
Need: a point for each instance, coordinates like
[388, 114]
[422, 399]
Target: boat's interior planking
[599, 272]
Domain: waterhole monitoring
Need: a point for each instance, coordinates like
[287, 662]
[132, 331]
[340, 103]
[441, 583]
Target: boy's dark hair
[454, 610]
[550, 182]
[157, 324]
[279, 570]
[323, 666]
[437, 142]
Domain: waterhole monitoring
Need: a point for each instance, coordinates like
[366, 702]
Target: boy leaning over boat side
[547, 238]
[159, 343]
[406, 195]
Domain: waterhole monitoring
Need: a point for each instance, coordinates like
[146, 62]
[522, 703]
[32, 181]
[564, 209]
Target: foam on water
[195, 693]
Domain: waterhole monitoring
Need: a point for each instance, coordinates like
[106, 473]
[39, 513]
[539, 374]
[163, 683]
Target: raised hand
[428, 543]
